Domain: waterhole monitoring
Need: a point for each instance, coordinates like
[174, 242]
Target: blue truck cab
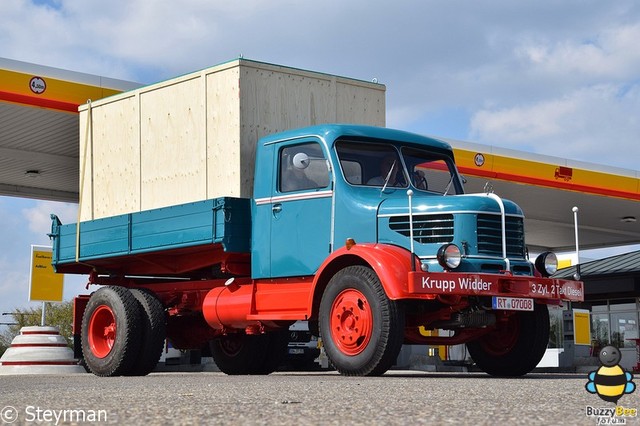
[364, 232]
[317, 187]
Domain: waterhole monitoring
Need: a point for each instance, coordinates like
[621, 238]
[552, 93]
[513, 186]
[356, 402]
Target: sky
[543, 76]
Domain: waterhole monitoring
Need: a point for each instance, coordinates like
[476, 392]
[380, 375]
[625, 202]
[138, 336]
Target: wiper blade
[386, 180]
[446, 190]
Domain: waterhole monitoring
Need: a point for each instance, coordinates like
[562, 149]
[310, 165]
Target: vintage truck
[363, 231]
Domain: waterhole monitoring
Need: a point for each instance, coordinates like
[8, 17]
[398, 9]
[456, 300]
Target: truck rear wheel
[153, 322]
[111, 331]
[241, 353]
[277, 348]
[361, 328]
[515, 347]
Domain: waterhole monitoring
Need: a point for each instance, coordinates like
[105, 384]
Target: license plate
[512, 303]
[296, 351]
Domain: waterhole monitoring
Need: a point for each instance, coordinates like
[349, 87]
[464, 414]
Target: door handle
[277, 208]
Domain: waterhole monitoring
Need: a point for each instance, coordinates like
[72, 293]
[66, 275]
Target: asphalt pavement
[322, 398]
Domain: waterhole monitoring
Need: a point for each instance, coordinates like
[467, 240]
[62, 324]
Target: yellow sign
[581, 327]
[44, 285]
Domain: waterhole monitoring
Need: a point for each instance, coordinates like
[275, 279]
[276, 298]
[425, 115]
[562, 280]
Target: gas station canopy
[39, 127]
[548, 188]
[39, 158]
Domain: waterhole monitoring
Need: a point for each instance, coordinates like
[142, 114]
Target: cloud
[14, 285]
[517, 74]
[581, 125]
[609, 54]
[14, 254]
[38, 217]
[24, 223]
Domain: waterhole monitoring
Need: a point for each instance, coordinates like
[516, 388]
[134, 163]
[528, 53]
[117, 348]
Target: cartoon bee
[610, 381]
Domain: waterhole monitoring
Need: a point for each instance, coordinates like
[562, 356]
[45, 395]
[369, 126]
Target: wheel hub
[102, 331]
[351, 322]
[232, 344]
[503, 339]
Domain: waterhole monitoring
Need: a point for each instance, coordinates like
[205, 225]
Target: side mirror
[301, 161]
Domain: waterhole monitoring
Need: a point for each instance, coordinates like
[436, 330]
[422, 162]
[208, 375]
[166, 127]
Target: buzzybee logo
[610, 381]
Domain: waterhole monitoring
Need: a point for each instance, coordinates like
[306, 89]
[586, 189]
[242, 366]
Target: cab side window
[302, 167]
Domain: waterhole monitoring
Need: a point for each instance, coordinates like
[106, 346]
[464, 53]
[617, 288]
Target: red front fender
[390, 263]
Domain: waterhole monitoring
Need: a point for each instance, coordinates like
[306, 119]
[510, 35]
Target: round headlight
[547, 263]
[449, 256]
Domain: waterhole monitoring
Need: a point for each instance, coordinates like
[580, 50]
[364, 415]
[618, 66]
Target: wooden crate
[193, 137]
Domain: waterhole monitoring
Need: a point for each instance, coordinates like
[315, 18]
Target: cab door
[301, 209]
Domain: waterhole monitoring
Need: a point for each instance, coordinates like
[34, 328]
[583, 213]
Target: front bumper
[507, 285]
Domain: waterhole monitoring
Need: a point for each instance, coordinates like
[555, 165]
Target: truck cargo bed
[166, 241]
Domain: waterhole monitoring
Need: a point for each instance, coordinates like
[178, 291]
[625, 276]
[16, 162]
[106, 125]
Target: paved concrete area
[399, 397]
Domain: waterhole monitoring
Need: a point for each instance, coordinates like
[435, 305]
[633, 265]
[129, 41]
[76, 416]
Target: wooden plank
[85, 199]
[116, 177]
[224, 175]
[357, 103]
[173, 147]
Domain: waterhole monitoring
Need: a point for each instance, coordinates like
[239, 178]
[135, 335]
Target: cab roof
[331, 132]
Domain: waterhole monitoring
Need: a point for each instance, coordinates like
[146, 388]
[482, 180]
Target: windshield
[371, 164]
[382, 165]
[431, 171]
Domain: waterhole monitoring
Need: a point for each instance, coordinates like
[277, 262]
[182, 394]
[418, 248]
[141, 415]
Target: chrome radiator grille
[427, 229]
[490, 235]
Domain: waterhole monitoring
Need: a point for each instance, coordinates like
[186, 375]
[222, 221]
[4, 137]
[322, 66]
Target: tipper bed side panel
[225, 221]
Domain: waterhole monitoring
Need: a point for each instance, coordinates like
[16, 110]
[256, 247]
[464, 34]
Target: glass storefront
[613, 322]
[624, 324]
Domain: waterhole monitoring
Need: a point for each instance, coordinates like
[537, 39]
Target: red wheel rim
[351, 322]
[503, 339]
[102, 331]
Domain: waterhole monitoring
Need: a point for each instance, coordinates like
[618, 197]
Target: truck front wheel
[361, 328]
[111, 331]
[516, 346]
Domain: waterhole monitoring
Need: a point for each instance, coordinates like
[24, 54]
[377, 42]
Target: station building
[612, 296]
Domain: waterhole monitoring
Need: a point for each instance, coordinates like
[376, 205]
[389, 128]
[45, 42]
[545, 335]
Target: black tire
[153, 321]
[313, 327]
[240, 353]
[515, 348]
[365, 334]
[111, 331]
[277, 349]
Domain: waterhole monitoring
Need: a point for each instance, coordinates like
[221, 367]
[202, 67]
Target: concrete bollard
[39, 350]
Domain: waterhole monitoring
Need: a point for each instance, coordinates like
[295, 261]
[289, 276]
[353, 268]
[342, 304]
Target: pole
[575, 222]
[44, 305]
[410, 195]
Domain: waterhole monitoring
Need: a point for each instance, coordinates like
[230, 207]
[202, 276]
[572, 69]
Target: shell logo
[37, 85]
